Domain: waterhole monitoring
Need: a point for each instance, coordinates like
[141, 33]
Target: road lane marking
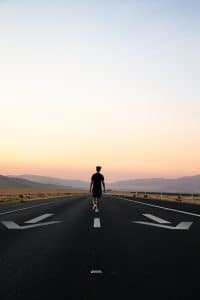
[157, 206]
[25, 208]
[38, 219]
[96, 210]
[97, 223]
[156, 219]
[13, 225]
[180, 226]
[96, 272]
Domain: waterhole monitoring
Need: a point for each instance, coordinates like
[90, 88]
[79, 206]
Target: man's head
[98, 168]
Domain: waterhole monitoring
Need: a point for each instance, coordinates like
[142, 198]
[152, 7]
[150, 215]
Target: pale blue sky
[118, 73]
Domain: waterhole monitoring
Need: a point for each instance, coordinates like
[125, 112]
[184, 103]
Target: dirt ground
[12, 195]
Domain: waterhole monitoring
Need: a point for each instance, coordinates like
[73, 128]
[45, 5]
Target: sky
[111, 83]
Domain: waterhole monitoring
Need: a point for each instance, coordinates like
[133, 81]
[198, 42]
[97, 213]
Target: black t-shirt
[97, 179]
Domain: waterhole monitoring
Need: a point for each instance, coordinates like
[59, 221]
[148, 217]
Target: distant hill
[69, 183]
[188, 184]
[12, 182]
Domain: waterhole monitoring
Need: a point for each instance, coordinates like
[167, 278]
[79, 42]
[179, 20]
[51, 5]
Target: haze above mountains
[187, 184]
[69, 183]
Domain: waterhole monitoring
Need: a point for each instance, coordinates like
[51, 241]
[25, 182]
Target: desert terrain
[14, 194]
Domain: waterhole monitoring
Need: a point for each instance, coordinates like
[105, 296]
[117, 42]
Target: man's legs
[95, 200]
[95, 203]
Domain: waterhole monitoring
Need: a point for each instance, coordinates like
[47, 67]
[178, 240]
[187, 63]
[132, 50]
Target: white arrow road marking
[154, 218]
[96, 272]
[184, 225]
[13, 225]
[180, 226]
[38, 219]
[97, 223]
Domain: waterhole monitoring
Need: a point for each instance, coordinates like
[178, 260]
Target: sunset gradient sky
[115, 83]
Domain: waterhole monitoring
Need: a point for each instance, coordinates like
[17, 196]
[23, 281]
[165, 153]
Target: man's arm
[91, 184]
[104, 187]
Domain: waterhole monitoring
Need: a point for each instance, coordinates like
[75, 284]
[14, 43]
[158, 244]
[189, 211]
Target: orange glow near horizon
[112, 172]
[153, 153]
[156, 153]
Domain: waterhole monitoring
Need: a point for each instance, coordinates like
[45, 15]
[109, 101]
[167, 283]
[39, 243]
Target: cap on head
[98, 168]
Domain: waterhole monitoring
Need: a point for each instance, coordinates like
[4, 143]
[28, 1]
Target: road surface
[130, 249]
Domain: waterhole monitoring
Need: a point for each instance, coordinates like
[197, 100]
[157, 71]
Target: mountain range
[69, 183]
[187, 184]
[14, 182]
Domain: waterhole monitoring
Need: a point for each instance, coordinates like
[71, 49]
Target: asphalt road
[130, 249]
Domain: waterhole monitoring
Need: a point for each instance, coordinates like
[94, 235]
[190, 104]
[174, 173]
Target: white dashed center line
[96, 272]
[97, 223]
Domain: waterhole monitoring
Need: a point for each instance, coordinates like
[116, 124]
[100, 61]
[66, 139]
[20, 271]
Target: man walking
[97, 181]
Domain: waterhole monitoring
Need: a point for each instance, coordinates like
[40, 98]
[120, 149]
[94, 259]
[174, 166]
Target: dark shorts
[97, 193]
